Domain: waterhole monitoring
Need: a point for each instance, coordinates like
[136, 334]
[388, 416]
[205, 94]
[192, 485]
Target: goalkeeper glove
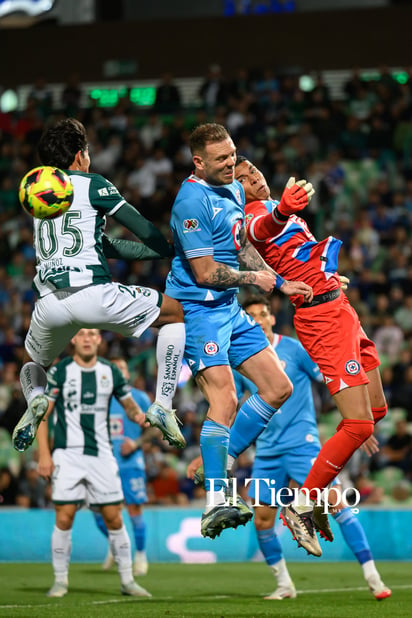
[295, 196]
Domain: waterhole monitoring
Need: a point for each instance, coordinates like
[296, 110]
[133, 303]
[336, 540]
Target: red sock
[336, 452]
[379, 413]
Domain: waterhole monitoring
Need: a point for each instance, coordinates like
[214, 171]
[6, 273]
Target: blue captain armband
[279, 281]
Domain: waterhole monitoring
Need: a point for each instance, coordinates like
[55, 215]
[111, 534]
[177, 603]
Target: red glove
[295, 196]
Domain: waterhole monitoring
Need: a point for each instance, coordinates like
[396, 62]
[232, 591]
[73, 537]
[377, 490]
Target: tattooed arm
[248, 256]
[213, 274]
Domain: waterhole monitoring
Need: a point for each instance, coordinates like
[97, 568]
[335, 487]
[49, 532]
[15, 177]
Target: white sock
[33, 380]
[280, 571]
[303, 504]
[61, 545]
[230, 462]
[369, 569]
[214, 498]
[169, 355]
[121, 549]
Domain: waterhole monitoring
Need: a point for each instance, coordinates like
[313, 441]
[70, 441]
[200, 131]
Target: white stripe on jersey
[73, 408]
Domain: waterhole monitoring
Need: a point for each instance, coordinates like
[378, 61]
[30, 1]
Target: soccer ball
[46, 192]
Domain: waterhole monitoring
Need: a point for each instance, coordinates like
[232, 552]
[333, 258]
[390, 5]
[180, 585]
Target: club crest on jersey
[236, 234]
[190, 225]
[104, 381]
[211, 348]
[352, 367]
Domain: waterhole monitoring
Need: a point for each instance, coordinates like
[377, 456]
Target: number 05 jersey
[69, 249]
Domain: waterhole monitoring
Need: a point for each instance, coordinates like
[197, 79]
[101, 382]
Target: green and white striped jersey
[69, 249]
[82, 398]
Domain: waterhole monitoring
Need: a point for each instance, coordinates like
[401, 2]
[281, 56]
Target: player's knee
[113, 522]
[379, 413]
[64, 521]
[263, 518]
[282, 390]
[171, 311]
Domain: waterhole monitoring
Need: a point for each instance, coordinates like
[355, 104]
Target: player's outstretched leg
[169, 354]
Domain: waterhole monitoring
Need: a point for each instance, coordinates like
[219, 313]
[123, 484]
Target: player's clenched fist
[295, 196]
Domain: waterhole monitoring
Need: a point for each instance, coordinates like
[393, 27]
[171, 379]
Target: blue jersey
[121, 427]
[205, 220]
[294, 424]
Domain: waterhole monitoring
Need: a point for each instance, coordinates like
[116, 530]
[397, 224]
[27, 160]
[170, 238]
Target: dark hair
[60, 143]
[256, 299]
[240, 159]
[205, 134]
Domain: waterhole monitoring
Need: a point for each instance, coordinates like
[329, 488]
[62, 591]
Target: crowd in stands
[357, 151]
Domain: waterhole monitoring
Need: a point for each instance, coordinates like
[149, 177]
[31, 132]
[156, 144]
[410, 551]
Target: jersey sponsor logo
[236, 235]
[103, 192]
[112, 190]
[352, 367]
[211, 348]
[190, 225]
[216, 210]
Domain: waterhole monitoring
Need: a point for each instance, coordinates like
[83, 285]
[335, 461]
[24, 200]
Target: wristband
[277, 215]
[279, 281]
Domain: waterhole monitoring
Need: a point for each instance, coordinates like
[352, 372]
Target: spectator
[398, 449]
[168, 98]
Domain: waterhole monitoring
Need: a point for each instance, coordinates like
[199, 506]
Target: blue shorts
[133, 485]
[279, 470]
[220, 334]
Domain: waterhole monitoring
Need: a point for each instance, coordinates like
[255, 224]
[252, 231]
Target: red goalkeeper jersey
[291, 249]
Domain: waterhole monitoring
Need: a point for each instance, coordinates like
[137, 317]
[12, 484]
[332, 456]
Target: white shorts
[125, 309]
[79, 478]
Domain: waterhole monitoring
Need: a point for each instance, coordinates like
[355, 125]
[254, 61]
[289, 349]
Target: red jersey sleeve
[261, 224]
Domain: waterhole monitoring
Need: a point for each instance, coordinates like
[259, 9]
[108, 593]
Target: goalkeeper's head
[252, 179]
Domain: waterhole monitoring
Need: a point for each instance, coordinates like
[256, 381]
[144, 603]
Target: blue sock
[250, 421]
[139, 530]
[269, 545]
[100, 523]
[214, 441]
[354, 535]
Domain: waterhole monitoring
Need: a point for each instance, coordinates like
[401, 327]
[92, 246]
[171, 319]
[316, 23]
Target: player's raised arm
[262, 225]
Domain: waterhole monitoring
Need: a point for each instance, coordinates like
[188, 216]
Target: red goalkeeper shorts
[333, 337]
